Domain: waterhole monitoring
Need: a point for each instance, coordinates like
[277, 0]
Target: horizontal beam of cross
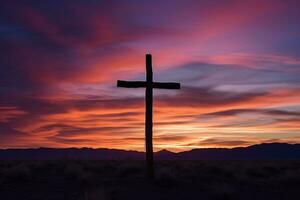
[143, 84]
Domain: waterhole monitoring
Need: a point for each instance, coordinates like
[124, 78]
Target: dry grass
[89, 180]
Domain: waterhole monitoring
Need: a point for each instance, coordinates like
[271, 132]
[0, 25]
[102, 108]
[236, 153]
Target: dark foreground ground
[102, 180]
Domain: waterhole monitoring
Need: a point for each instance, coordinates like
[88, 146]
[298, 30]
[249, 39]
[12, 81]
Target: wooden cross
[149, 85]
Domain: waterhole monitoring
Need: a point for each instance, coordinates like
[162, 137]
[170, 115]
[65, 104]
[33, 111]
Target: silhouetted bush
[166, 177]
[20, 172]
[95, 194]
[89, 180]
[74, 172]
[130, 170]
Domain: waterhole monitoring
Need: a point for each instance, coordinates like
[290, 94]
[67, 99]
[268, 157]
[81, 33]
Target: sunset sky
[238, 63]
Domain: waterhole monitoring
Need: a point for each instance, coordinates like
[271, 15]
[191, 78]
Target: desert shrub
[222, 191]
[99, 168]
[129, 170]
[256, 171]
[95, 194]
[186, 171]
[166, 177]
[19, 172]
[289, 178]
[75, 172]
[220, 172]
[271, 169]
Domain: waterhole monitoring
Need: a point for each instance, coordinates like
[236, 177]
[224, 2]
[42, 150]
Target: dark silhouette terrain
[120, 179]
[266, 171]
[267, 151]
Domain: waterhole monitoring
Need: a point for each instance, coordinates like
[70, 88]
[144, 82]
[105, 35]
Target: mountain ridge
[264, 151]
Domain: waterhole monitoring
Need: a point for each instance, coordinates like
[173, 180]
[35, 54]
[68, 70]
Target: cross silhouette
[149, 85]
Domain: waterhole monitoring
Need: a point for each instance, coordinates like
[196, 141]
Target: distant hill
[266, 151]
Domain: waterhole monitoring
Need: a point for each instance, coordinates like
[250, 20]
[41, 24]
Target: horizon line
[128, 150]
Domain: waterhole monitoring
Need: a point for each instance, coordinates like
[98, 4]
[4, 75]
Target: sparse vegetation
[103, 180]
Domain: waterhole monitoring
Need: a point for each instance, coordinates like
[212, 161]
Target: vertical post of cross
[149, 116]
[149, 85]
